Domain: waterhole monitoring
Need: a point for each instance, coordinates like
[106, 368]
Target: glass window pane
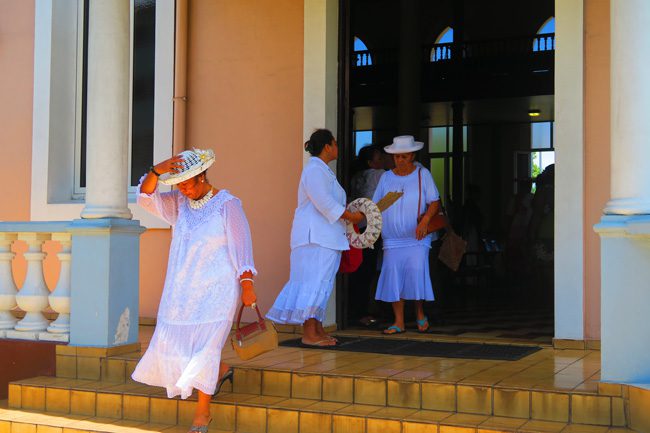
[361, 139]
[540, 135]
[465, 138]
[438, 139]
[438, 172]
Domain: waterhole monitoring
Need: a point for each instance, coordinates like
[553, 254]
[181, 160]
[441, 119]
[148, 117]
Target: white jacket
[321, 202]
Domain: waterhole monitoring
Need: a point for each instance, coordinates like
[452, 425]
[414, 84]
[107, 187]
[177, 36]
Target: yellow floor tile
[511, 403]
[549, 406]
[383, 426]
[223, 416]
[282, 421]
[57, 400]
[163, 410]
[348, 424]
[337, 388]
[109, 405]
[474, 399]
[358, 410]
[312, 422]
[251, 419]
[276, 383]
[306, 386]
[136, 407]
[370, 391]
[403, 394]
[586, 409]
[32, 397]
[436, 396]
[247, 381]
[502, 423]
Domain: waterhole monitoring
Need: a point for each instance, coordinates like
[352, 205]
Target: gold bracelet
[246, 279]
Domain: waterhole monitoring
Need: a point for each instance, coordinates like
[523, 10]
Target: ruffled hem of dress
[299, 301]
[182, 358]
[295, 317]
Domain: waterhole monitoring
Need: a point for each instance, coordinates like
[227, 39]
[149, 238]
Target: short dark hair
[319, 138]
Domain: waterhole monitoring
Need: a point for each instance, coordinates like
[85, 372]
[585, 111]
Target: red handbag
[351, 259]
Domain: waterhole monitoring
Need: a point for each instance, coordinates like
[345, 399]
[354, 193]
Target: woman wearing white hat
[210, 258]
[405, 267]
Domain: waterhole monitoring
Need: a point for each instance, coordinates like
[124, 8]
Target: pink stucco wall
[245, 75]
[16, 83]
[597, 150]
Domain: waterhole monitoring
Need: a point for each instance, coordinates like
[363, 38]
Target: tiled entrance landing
[294, 390]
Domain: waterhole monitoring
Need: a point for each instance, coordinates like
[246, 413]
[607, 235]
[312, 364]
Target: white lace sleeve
[240, 245]
[164, 205]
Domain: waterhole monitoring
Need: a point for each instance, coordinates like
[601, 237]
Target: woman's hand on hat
[171, 165]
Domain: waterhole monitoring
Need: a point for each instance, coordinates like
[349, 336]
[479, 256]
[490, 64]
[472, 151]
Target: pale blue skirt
[311, 280]
[405, 275]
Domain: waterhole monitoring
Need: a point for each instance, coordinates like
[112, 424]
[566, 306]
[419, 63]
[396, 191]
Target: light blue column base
[105, 282]
[625, 298]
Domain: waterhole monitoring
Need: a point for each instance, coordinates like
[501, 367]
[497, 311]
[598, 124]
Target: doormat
[388, 346]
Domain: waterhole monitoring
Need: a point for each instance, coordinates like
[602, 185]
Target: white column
[569, 170]
[32, 297]
[59, 330]
[108, 110]
[630, 93]
[7, 286]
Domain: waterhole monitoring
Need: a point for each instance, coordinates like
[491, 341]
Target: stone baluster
[33, 295]
[59, 330]
[7, 286]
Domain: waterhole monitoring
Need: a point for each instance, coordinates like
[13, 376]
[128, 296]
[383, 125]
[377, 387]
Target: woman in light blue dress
[317, 239]
[405, 268]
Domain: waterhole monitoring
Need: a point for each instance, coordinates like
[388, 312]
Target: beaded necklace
[198, 204]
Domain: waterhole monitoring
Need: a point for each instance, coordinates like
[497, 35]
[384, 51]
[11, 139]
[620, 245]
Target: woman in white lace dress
[317, 239]
[210, 258]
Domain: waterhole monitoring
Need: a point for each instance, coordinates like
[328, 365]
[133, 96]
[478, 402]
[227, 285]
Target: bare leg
[419, 314]
[202, 412]
[398, 311]
[419, 309]
[310, 334]
[321, 331]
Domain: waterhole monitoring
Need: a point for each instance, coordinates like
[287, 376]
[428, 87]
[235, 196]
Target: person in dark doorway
[361, 303]
[405, 268]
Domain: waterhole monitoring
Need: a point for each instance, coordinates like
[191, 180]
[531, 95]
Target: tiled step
[557, 386]
[135, 402]
[256, 414]
[22, 421]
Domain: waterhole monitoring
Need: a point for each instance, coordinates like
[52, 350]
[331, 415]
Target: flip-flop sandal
[394, 329]
[319, 343]
[199, 428]
[424, 323]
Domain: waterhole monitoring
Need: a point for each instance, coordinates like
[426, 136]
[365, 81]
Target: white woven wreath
[373, 228]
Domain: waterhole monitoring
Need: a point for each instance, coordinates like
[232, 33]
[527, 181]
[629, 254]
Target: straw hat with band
[404, 144]
[194, 162]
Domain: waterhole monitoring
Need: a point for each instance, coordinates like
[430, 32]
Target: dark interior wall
[491, 167]
[376, 22]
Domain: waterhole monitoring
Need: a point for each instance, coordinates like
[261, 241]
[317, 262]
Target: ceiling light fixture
[534, 113]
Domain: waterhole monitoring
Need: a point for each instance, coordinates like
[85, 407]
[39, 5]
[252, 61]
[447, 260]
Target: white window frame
[58, 50]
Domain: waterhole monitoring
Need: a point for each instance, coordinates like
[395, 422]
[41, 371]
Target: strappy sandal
[319, 343]
[227, 376]
[423, 325]
[394, 329]
[199, 428]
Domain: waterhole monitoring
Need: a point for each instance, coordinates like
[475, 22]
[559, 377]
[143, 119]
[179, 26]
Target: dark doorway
[473, 80]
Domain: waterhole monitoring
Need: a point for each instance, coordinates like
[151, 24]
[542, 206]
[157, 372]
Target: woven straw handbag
[253, 339]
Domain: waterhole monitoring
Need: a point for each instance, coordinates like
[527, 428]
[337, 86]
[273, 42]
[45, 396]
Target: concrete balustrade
[33, 297]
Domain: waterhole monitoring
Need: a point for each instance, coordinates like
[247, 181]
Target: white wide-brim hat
[194, 162]
[404, 144]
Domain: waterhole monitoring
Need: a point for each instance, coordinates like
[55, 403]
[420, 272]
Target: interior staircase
[314, 391]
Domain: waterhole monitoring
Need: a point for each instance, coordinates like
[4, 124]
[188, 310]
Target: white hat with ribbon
[195, 161]
[404, 144]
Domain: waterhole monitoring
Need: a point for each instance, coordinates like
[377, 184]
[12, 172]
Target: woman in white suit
[317, 240]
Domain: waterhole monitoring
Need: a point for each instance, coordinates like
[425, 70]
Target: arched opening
[545, 40]
[362, 53]
[442, 48]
